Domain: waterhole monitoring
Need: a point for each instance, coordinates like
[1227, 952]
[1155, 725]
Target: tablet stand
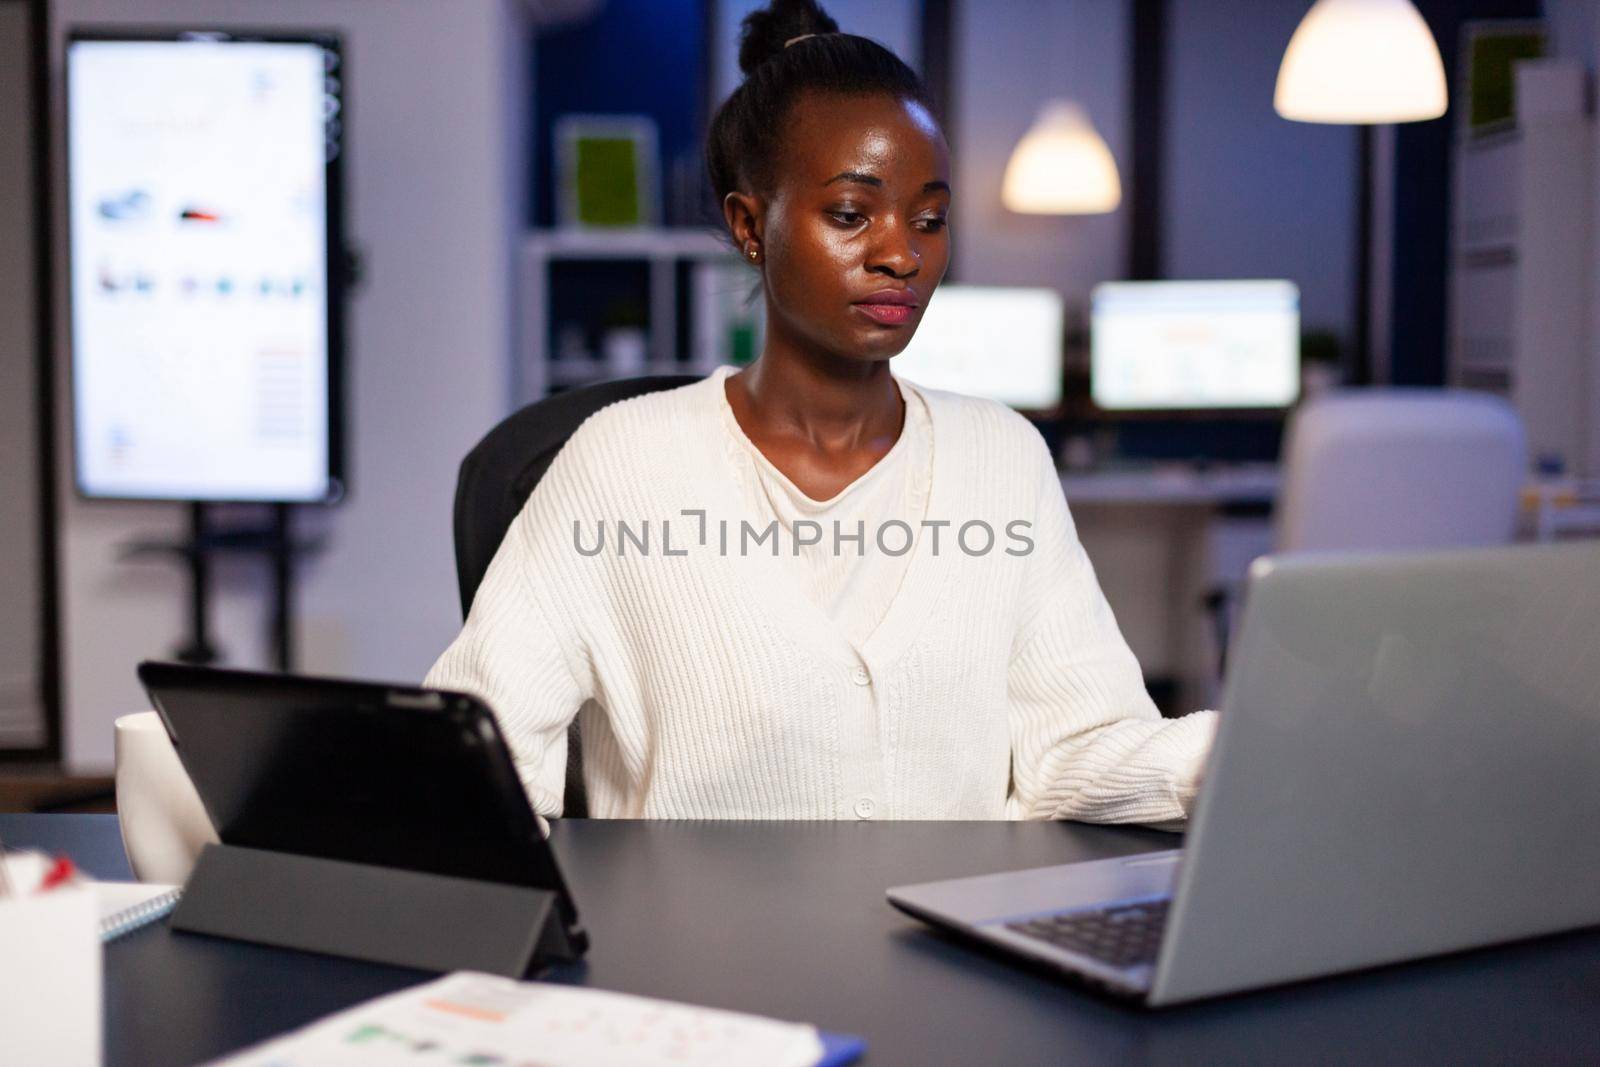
[206, 540]
[382, 914]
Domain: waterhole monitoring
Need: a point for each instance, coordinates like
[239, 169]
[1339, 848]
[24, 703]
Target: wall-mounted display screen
[203, 206]
[1194, 345]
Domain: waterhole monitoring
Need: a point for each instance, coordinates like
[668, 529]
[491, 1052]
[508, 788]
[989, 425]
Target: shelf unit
[1523, 294]
[719, 282]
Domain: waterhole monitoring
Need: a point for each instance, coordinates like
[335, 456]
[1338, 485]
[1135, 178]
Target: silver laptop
[1408, 763]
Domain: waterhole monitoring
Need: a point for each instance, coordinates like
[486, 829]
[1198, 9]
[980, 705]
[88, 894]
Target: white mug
[164, 825]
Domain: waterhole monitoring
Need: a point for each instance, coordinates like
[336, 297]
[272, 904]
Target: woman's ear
[743, 214]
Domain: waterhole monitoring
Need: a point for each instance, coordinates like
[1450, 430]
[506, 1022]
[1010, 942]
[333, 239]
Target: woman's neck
[837, 406]
[822, 422]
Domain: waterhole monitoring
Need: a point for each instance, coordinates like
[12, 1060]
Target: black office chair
[497, 478]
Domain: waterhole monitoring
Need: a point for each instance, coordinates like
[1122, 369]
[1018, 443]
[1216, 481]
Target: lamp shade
[1061, 166]
[1361, 61]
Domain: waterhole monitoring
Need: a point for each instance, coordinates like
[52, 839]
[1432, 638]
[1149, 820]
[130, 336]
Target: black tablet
[388, 775]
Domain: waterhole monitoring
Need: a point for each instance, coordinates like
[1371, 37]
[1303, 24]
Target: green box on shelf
[607, 172]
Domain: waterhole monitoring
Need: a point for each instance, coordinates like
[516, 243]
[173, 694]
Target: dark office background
[651, 57]
[452, 108]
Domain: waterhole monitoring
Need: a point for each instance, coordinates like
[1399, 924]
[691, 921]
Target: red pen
[60, 872]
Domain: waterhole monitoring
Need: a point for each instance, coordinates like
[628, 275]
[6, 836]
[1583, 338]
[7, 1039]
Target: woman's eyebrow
[855, 176]
[861, 178]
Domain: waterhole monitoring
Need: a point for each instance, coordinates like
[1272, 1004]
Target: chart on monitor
[1204, 345]
[204, 222]
[1000, 342]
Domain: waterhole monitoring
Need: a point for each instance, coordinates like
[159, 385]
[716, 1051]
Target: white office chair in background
[1375, 469]
[1400, 468]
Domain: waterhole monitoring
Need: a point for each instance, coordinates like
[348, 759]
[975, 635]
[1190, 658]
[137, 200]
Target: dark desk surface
[789, 920]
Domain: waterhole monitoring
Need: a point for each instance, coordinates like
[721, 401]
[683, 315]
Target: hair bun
[764, 31]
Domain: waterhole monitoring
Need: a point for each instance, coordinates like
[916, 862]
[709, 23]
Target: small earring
[751, 252]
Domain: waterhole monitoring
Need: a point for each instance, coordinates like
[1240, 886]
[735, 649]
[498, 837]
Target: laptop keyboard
[1124, 935]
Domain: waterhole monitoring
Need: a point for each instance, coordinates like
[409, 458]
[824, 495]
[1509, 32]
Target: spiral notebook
[127, 906]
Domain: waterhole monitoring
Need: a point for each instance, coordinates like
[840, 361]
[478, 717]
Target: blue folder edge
[840, 1049]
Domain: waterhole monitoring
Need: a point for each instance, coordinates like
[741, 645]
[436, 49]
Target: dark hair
[743, 141]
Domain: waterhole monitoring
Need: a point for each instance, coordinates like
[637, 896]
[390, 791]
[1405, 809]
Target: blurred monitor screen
[1001, 343]
[199, 178]
[1188, 345]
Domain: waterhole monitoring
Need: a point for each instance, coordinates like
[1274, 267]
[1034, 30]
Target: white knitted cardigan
[707, 685]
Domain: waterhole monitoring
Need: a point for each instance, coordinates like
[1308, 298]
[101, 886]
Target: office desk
[1161, 536]
[789, 920]
[1175, 484]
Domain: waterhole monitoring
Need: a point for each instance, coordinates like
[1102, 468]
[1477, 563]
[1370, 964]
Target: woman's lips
[888, 314]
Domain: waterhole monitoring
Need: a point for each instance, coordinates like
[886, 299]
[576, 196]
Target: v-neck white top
[850, 552]
[709, 680]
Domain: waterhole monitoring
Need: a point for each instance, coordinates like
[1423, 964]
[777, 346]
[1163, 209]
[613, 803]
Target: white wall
[1574, 29]
[1009, 58]
[435, 150]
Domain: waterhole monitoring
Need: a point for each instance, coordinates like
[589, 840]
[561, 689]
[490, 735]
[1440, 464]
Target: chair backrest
[1401, 468]
[500, 472]
[499, 475]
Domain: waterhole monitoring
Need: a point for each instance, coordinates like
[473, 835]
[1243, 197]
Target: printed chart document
[498, 1022]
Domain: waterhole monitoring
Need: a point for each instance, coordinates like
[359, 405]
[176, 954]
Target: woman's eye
[848, 218]
[934, 225]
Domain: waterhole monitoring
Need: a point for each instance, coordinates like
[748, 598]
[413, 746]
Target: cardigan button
[865, 807]
[860, 676]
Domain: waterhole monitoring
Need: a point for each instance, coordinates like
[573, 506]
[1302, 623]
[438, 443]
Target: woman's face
[857, 218]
